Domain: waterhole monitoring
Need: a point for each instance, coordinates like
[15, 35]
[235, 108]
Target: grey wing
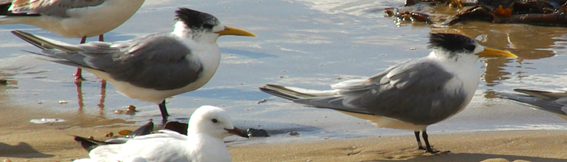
[540, 101]
[155, 61]
[410, 91]
[51, 7]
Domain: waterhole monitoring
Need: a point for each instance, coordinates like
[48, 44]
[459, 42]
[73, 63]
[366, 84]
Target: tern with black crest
[70, 18]
[410, 95]
[152, 67]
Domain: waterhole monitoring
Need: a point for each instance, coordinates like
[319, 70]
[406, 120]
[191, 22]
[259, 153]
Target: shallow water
[301, 43]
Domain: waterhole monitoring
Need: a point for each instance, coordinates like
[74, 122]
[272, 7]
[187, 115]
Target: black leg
[419, 146]
[163, 110]
[427, 146]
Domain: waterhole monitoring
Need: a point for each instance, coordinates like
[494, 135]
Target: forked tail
[292, 93]
[546, 104]
[44, 43]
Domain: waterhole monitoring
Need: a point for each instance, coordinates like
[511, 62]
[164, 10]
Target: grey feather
[547, 101]
[413, 93]
[155, 61]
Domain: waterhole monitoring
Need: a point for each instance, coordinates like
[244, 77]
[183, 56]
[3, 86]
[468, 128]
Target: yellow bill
[491, 52]
[234, 31]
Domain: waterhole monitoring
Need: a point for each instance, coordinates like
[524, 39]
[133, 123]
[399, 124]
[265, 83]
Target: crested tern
[70, 18]
[410, 95]
[152, 67]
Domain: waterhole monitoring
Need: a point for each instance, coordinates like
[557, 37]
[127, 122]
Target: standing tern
[208, 126]
[152, 67]
[70, 18]
[410, 95]
[554, 102]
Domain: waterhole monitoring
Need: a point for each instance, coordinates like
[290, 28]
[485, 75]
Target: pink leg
[102, 94]
[80, 94]
[78, 75]
[103, 82]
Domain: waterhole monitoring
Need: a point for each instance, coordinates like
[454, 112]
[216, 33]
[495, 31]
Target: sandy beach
[23, 141]
[497, 146]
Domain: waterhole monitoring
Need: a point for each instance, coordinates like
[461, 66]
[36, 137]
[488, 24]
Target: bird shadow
[469, 157]
[21, 150]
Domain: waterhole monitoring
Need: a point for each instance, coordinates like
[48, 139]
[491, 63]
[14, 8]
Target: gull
[152, 67]
[208, 126]
[554, 102]
[410, 95]
[70, 18]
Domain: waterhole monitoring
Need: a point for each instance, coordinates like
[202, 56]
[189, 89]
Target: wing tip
[30, 38]
[273, 90]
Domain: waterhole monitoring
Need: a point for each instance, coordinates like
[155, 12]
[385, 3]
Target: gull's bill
[238, 132]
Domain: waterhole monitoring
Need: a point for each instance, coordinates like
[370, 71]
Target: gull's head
[202, 27]
[455, 46]
[213, 121]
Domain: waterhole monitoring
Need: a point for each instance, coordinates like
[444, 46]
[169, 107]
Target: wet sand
[21, 140]
[52, 142]
[497, 146]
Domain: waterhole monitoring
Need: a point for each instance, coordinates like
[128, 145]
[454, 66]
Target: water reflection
[526, 41]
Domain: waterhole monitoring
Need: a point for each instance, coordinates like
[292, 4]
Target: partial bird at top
[70, 18]
[152, 67]
[410, 95]
[554, 102]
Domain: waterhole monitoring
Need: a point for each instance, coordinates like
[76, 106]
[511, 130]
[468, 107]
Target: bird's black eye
[208, 26]
[215, 121]
[470, 47]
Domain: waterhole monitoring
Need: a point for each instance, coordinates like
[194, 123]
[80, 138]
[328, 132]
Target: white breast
[86, 21]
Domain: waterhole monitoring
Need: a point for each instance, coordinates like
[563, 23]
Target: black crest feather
[195, 19]
[452, 42]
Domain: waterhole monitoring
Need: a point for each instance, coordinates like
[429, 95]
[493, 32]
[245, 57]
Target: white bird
[208, 126]
[70, 18]
[554, 102]
[152, 67]
[129, 159]
[410, 95]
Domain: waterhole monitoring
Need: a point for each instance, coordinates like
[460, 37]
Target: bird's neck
[460, 59]
[208, 148]
[202, 46]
